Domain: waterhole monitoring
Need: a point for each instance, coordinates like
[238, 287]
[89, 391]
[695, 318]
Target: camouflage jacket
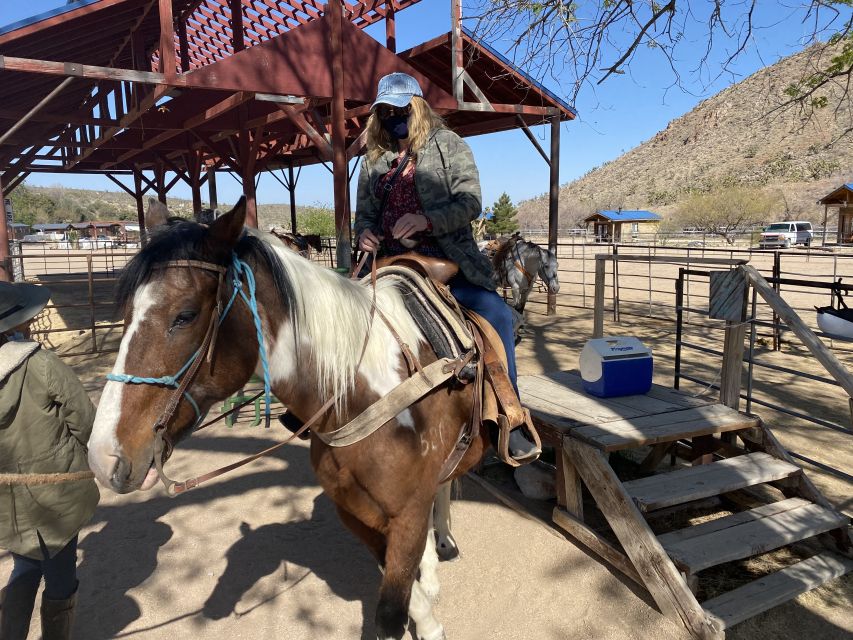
[448, 185]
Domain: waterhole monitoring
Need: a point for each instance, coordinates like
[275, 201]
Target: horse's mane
[181, 239]
[499, 258]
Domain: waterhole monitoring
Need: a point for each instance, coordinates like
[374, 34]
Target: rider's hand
[409, 225]
[368, 241]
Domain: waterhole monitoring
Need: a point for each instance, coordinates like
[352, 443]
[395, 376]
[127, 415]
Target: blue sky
[614, 117]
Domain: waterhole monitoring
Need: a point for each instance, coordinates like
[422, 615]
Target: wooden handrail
[819, 350]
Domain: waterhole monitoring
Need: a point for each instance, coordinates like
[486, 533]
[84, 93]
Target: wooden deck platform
[725, 451]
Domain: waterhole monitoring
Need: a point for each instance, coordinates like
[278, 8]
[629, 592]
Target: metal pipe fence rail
[81, 285]
[693, 336]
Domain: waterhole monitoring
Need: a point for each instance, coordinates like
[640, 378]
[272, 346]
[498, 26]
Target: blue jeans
[59, 572]
[493, 308]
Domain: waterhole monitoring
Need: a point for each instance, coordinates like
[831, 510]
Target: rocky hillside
[741, 136]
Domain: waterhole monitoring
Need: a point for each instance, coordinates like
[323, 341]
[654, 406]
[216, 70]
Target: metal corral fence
[781, 377]
[81, 285]
[787, 381]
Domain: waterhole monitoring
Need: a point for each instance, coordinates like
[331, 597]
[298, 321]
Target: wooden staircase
[732, 453]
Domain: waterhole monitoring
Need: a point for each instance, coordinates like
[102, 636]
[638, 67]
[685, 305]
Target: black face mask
[397, 126]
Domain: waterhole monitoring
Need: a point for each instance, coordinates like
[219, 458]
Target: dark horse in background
[320, 342]
[518, 262]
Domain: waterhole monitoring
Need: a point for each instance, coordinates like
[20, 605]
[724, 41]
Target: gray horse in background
[518, 262]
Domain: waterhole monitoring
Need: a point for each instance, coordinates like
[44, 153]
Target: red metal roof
[286, 52]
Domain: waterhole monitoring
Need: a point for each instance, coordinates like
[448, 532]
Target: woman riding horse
[419, 189]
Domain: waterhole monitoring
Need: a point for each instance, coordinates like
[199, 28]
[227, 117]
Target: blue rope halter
[238, 270]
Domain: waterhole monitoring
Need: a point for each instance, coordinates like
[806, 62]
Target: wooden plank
[753, 538]
[624, 406]
[573, 489]
[693, 483]
[727, 297]
[598, 306]
[666, 394]
[666, 427]
[719, 524]
[659, 575]
[578, 406]
[590, 539]
[772, 590]
[819, 350]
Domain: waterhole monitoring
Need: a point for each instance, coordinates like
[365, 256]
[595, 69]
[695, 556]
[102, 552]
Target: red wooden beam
[237, 25]
[168, 63]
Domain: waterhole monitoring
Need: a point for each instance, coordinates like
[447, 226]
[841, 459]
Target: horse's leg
[401, 595]
[516, 295]
[446, 545]
[428, 578]
[371, 538]
[524, 294]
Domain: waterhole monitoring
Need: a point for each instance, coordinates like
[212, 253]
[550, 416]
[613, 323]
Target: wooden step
[663, 427]
[772, 590]
[704, 481]
[749, 533]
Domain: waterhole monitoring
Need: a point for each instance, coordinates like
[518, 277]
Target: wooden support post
[184, 45]
[457, 59]
[598, 307]
[237, 40]
[572, 486]
[390, 27]
[5, 264]
[554, 201]
[160, 181]
[339, 140]
[211, 187]
[195, 182]
[730, 378]
[140, 207]
[291, 188]
[168, 64]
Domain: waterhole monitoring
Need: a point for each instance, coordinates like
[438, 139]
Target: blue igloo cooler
[616, 367]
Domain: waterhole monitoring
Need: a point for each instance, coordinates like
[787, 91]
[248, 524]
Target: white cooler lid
[598, 350]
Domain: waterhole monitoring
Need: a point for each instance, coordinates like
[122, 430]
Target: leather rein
[519, 264]
[163, 445]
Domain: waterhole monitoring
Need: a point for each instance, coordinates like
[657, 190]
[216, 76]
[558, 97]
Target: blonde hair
[422, 121]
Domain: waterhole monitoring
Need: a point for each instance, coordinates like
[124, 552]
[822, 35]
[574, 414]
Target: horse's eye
[184, 318]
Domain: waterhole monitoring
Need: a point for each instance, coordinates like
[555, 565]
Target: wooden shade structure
[244, 86]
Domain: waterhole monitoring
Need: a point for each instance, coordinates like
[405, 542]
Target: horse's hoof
[447, 552]
[438, 634]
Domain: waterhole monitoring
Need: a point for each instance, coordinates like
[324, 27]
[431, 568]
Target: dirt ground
[262, 554]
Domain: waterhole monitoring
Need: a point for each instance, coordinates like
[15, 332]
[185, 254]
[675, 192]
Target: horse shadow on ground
[123, 554]
[319, 545]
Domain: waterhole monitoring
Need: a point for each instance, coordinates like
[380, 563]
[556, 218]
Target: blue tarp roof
[626, 215]
[45, 15]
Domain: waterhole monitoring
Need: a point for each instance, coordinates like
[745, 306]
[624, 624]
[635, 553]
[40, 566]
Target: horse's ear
[157, 214]
[227, 228]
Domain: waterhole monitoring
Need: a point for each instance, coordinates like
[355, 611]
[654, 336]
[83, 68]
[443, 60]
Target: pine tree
[503, 217]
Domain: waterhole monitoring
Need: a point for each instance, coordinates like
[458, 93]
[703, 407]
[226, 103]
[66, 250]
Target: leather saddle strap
[468, 429]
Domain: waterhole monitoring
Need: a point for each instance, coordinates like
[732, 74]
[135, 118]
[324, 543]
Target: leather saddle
[437, 269]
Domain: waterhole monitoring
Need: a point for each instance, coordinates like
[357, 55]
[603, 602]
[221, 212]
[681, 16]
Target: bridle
[163, 444]
[181, 381]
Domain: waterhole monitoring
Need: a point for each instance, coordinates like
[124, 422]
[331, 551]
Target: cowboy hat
[20, 302]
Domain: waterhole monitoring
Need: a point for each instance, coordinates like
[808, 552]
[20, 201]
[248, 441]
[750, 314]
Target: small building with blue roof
[607, 224]
[842, 198]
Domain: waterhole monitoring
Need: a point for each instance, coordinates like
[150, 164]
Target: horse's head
[169, 294]
[548, 270]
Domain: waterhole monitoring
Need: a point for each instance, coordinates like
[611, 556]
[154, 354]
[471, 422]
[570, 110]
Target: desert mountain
[741, 136]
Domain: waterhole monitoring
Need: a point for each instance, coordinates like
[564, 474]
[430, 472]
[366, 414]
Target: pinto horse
[319, 341]
[518, 262]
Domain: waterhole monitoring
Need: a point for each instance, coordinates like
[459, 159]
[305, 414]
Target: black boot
[57, 617]
[16, 609]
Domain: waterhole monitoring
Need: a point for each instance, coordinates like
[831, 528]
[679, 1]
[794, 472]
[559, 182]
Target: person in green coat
[45, 421]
